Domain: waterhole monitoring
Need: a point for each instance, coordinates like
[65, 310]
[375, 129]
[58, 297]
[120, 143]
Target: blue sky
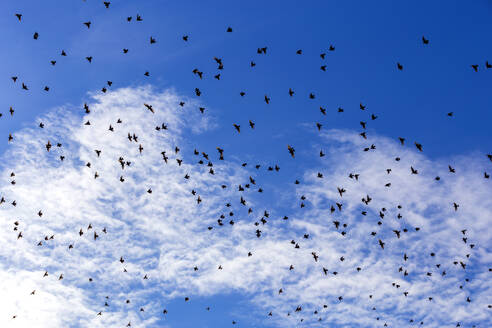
[369, 40]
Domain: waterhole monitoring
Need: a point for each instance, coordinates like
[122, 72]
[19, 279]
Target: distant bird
[149, 107]
[291, 151]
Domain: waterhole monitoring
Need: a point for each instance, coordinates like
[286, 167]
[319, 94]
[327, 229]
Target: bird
[291, 151]
[149, 107]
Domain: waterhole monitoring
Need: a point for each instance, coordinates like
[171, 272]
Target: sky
[152, 219]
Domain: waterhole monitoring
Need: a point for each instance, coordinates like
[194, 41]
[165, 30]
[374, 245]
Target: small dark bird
[149, 107]
[424, 40]
[291, 151]
[381, 243]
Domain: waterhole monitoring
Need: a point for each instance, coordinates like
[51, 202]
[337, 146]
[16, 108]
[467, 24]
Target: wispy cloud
[164, 234]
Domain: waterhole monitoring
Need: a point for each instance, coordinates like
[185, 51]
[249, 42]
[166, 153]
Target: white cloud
[164, 233]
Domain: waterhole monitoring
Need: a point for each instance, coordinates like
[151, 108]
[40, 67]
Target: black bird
[291, 151]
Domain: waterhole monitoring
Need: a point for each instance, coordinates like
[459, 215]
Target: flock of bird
[205, 160]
